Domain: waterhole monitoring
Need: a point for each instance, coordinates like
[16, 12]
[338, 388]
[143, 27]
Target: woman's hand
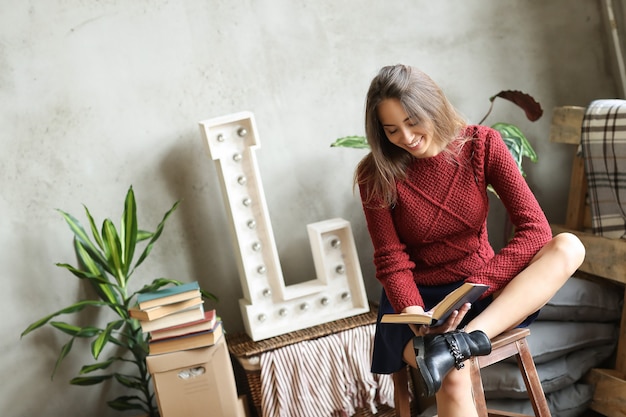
[419, 330]
[450, 324]
[453, 321]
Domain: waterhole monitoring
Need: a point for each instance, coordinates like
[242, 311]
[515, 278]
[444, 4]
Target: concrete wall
[98, 95]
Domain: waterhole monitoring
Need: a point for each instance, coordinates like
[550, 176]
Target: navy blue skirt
[390, 339]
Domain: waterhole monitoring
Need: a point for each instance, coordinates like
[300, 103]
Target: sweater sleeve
[394, 269]
[532, 230]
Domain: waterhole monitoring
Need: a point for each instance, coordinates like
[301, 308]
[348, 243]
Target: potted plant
[107, 263]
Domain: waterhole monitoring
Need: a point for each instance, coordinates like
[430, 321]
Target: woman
[423, 188]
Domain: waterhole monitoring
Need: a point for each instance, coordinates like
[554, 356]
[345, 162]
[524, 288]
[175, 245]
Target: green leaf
[100, 342]
[517, 143]
[124, 403]
[128, 230]
[83, 274]
[96, 366]
[64, 351]
[113, 250]
[67, 310]
[143, 235]
[357, 142]
[94, 229]
[82, 236]
[209, 295]
[89, 380]
[76, 331]
[157, 284]
[129, 382]
[99, 280]
[156, 235]
[88, 263]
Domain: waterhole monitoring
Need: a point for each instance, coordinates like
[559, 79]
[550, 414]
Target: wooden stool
[505, 345]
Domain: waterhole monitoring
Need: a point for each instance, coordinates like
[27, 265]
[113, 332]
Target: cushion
[551, 339]
[504, 380]
[584, 300]
[571, 401]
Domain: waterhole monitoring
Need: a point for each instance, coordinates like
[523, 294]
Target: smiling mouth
[416, 142]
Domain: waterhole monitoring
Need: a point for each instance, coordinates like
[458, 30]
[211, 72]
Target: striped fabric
[603, 142]
[328, 376]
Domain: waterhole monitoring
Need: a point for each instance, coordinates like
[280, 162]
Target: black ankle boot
[437, 354]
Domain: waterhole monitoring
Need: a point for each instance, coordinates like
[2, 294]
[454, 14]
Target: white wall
[98, 95]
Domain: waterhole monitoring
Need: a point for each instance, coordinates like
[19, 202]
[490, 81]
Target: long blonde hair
[422, 99]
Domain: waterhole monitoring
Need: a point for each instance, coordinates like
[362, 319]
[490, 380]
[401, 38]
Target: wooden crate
[605, 259]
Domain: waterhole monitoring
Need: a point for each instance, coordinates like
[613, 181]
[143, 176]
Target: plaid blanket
[603, 143]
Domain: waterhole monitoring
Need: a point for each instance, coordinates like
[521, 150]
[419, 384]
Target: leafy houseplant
[515, 140]
[106, 262]
[513, 137]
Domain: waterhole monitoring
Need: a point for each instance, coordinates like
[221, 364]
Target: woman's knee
[570, 249]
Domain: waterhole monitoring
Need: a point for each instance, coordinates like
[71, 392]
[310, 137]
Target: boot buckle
[455, 351]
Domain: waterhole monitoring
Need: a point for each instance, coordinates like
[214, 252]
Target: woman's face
[414, 137]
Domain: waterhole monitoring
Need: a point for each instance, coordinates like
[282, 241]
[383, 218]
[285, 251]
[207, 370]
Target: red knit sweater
[437, 231]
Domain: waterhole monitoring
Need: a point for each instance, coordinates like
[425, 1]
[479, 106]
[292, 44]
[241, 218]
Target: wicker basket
[244, 351]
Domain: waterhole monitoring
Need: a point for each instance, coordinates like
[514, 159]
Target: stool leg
[477, 388]
[531, 379]
[401, 393]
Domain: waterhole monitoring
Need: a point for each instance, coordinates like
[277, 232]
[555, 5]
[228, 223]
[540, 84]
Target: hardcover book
[191, 341]
[168, 295]
[185, 316]
[466, 293]
[207, 323]
[153, 313]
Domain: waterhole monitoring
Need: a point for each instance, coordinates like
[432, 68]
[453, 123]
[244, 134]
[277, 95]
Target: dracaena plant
[515, 140]
[106, 260]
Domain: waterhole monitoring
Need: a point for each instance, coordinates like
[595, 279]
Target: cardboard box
[243, 407]
[195, 383]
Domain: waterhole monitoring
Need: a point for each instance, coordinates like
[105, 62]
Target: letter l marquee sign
[269, 307]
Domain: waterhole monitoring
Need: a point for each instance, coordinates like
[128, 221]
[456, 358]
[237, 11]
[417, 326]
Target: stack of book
[176, 320]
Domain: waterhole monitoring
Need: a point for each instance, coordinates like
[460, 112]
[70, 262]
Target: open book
[466, 293]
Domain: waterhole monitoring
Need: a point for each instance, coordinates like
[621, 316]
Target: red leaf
[526, 102]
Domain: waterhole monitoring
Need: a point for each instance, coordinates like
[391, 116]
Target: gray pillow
[571, 401]
[551, 339]
[504, 380]
[584, 300]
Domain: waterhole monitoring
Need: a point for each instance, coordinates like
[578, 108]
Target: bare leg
[532, 288]
[455, 396]
[523, 295]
